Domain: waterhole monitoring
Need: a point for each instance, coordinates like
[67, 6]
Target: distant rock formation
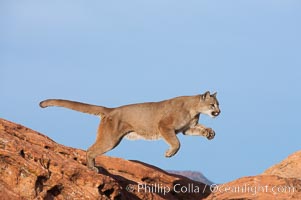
[193, 175]
[32, 166]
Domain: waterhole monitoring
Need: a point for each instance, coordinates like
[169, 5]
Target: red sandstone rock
[32, 166]
[281, 181]
[262, 187]
[288, 168]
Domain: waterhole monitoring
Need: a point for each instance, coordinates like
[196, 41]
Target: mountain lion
[153, 120]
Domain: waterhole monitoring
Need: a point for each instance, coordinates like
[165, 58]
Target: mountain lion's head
[209, 104]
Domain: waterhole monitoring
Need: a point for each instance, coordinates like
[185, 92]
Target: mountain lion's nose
[215, 113]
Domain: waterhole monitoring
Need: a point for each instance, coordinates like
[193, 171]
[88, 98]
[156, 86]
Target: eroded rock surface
[32, 166]
[281, 181]
[288, 168]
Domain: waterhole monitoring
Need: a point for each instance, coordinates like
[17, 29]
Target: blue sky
[113, 53]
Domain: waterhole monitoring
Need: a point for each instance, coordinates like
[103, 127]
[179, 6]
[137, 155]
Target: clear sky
[113, 53]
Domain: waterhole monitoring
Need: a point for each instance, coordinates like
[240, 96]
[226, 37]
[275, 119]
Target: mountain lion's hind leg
[107, 139]
[201, 131]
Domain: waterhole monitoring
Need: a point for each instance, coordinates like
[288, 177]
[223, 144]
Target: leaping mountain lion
[151, 121]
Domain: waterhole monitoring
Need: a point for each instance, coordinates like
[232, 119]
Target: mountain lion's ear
[214, 94]
[206, 95]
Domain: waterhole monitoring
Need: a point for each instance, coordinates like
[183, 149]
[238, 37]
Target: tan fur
[153, 120]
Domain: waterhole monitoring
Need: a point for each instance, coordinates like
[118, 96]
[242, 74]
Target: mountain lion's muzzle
[215, 114]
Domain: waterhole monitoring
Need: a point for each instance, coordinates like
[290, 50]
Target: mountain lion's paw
[169, 153]
[210, 133]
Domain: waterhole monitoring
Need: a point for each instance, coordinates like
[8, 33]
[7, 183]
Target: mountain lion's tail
[77, 106]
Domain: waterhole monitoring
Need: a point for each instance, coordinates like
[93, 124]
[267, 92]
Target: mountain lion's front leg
[201, 131]
[171, 139]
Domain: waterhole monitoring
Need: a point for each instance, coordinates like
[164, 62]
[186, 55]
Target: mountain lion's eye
[212, 105]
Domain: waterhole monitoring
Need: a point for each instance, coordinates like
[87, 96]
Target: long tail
[77, 106]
